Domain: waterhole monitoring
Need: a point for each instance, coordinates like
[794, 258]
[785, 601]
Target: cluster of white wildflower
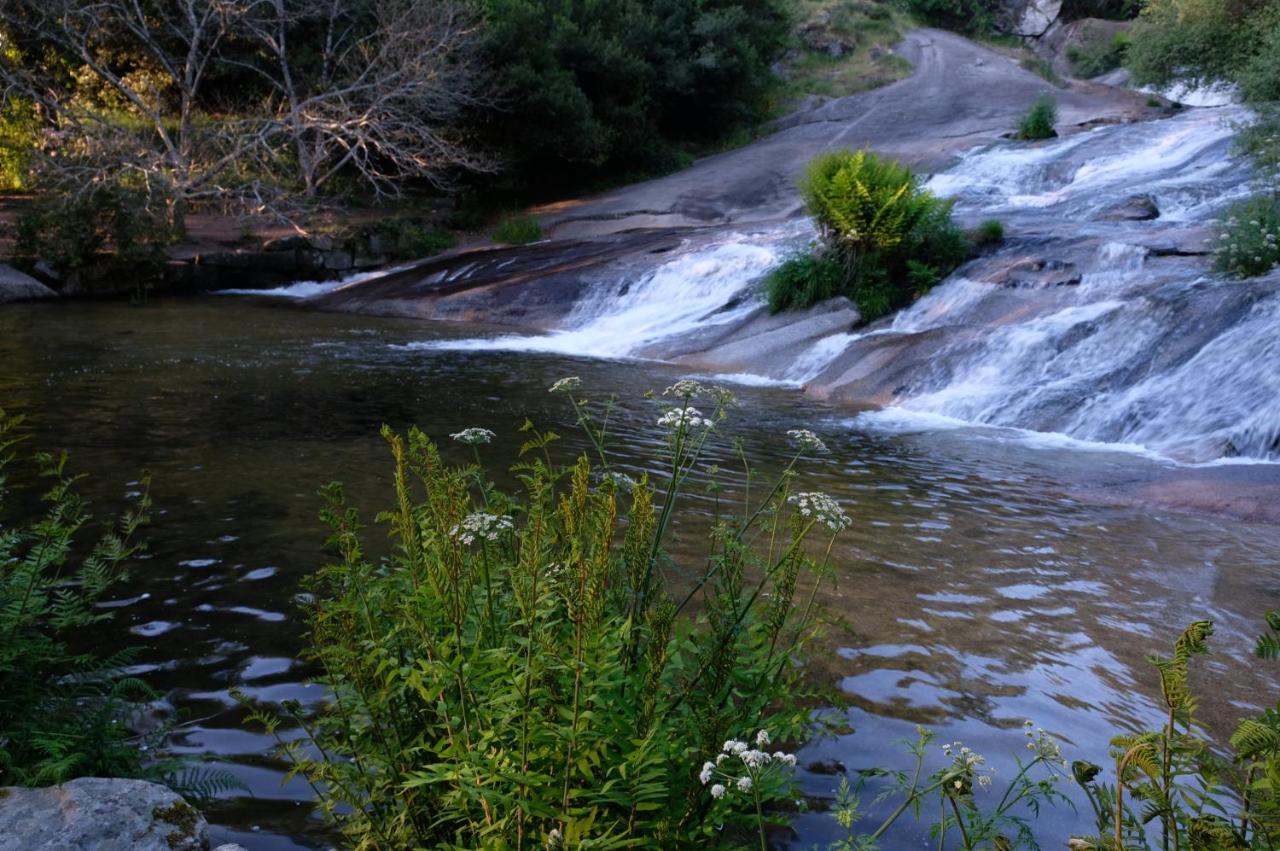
[806, 441]
[481, 526]
[822, 508]
[741, 766]
[1042, 744]
[473, 436]
[686, 388]
[566, 385]
[1249, 248]
[968, 761]
[689, 418]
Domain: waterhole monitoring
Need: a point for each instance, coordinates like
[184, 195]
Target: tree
[379, 91]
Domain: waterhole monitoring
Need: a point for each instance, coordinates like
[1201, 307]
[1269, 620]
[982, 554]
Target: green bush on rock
[884, 239]
[534, 668]
[1039, 121]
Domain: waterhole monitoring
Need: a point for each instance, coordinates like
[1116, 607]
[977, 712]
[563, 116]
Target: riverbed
[988, 577]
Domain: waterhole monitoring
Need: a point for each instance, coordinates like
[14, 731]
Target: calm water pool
[980, 585]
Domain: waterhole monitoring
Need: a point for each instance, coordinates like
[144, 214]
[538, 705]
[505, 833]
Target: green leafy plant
[518, 230]
[884, 239]
[534, 669]
[1170, 781]
[1249, 238]
[1039, 121]
[967, 16]
[990, 232]
[108, 227]
[64, 713]
[1099, 56]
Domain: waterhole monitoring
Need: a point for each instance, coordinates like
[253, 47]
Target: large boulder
[17, 286]
[1031, 18]
[99, 814]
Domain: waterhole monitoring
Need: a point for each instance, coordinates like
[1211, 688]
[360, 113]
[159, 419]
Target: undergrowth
[533, 668]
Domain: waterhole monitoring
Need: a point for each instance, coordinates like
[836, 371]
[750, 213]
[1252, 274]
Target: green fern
[64, 714]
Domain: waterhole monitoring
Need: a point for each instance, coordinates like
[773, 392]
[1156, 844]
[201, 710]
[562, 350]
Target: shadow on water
[977, 587]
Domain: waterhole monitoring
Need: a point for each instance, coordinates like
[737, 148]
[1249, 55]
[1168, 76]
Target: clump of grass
[803, 280]
[1043, 67]
[407, 239]
[1039, 121]
[517, 230]
[990, 232]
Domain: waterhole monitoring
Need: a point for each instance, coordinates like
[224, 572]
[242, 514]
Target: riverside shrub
[533, 669]
[884, 240]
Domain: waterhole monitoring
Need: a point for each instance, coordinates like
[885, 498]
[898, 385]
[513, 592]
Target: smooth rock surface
[99, 814]
[18, 286]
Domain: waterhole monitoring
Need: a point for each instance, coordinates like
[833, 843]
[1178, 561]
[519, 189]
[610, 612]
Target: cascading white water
[1175, 362]
[694, 290]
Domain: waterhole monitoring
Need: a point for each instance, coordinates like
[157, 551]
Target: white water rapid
[1117, 333]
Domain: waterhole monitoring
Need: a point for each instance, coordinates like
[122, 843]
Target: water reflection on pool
[981, 585]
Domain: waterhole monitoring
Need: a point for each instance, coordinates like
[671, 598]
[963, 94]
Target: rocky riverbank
[101, 814]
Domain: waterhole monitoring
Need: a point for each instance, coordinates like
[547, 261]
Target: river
[1003, 564]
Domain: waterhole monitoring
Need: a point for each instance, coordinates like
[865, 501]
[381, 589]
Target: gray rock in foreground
[17, 286]
[99, 814]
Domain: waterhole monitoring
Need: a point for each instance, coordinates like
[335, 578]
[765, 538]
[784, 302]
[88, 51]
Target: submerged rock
[99, 814]
[18, 286]
[1135, 208]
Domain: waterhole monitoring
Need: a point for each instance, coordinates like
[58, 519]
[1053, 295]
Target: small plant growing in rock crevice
[1039, 121]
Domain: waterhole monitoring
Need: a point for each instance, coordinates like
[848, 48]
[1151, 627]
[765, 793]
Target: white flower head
[807, 441]
[566, 385]
[762, 738]
[744, 783]
[821, 508]
[705, 775]
[718, 790]
[686, 388]
[481, 526]
[473, 436]
[686, 418]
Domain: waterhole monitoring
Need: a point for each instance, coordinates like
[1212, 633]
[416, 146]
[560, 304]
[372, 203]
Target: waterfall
[1155, 357]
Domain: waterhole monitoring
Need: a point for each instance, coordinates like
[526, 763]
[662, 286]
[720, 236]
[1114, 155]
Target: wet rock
[18, 286]
[826, 767]
[1135, 208]
[99, 814]
[1032, 18]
